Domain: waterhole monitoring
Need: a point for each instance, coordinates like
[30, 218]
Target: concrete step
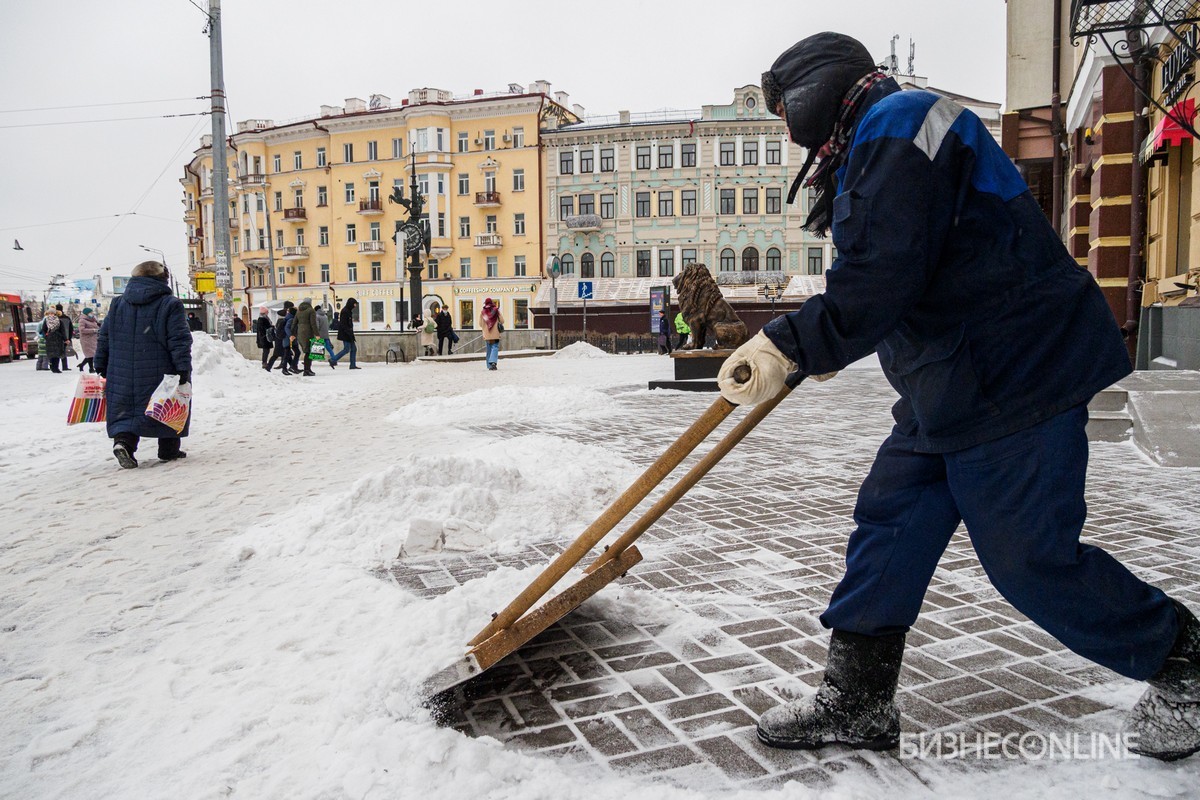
[1109, 426]
[1110, 400]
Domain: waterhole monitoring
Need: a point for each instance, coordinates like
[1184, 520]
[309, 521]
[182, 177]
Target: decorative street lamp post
[415, 234]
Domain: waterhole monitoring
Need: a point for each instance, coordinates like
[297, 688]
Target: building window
[518, 137]
[376, 311]
[607, 161]
[464, 268]
[280, 281]
[322, 196]
[260, 201]
[279, 239]
[608, 266]
[377, 272]
[643, 263]
[463, 138]
[297, 160]
[519, 266]
[493, 267]
[666, 203]
[587, 266]
[566, 162]
[489, 223]
[422, 143]
[729, 201]
[397, 148]
[774, 260]
[375, 232]
[585, 160]
[352, 272]
[666, 157]
[749, 153]
[324, 273]
[351, 233]
[728, 154]
[441, 224]
[298, 197]
[642, 208]
[566, 208]
[464, 227]
[816, 260]
[666, 263]
[518, 180]
[520, 313]
[300, 237]
[300, 276]
[279, 201]
[774, 201]
[321, 157]
[401, 312]
[489, 140]
[750, 201]
[812, 197]
[587, 204]
[276, 163]
[728, 260]
[643, 157]
[688, 256]
[687, 203]
[750, 259]
[687, 155]
[323, 236]
[518, 224]
[423, 185]
[607, 205]
[372, 151]
[433, 269]
[774, 151]
[348, 152]
[464, 183]
[349, 192]
[566, 263]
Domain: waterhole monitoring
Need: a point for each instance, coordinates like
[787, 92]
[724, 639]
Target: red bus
[12, 327]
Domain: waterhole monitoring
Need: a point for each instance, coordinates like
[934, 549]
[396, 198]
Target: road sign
[585, 290]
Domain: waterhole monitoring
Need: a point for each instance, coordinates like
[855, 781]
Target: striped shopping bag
[88, 405]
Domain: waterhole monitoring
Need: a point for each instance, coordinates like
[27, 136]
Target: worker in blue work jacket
[995, 340]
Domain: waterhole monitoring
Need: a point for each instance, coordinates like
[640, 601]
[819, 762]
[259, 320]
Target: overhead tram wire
[114, 119]
[101, 105]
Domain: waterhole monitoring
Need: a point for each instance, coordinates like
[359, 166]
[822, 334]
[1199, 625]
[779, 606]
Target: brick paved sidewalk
[756, 550]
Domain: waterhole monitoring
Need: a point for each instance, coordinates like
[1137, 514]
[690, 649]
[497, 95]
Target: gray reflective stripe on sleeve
[937, 124]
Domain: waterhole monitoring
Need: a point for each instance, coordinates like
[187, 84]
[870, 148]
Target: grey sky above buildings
[285, 58]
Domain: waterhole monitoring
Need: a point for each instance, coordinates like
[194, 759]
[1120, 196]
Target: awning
[1168, 132]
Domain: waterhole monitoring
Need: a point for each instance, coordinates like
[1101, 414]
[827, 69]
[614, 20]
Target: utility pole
[270, 245]
[220, 175]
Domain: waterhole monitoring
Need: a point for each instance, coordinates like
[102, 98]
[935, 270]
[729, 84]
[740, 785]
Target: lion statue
[706, 311]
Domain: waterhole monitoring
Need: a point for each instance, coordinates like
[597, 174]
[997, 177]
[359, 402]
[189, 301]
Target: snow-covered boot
[1166, 720]
[855, 703]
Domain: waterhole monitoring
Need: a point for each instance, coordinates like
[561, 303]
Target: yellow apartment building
[311, 197]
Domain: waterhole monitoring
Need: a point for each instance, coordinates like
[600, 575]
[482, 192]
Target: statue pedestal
[695, 370]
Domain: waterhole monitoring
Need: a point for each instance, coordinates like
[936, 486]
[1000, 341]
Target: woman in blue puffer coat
[144, 337]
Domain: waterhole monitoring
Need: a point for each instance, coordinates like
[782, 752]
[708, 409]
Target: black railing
[613, 342]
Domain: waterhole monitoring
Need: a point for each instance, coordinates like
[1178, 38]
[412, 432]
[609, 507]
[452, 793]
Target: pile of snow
[580, 350]
[506, 404]
[218, 367]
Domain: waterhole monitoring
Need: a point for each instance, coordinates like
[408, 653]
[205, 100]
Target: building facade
[311, 198]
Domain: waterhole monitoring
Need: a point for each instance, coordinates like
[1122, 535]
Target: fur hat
[149, 269]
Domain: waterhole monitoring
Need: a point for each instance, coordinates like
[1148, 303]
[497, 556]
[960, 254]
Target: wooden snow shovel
[512, 627]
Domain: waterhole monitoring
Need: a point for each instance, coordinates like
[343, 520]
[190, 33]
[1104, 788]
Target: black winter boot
[1166, 720]
[855, 703]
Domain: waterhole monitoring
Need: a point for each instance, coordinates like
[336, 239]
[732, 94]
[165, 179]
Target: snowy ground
[225, 626]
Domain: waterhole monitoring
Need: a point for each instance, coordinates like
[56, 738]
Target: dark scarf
[833, 155]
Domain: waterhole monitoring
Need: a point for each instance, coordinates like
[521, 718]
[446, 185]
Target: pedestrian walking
[89, 331]
[445, 330]
[68, 335]
[664, 334]
[144, 338]
[345, 332]
[924, 210]
[194, 323]
[491, 322]
[55, 334]
[305, 327]
[425, 331]
[323, 334]
[283, 347]
[289, 329]
[683, 329]
[264, 335]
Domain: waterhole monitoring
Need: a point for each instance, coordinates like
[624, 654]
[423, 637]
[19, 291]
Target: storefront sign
[1178, 66]
[490, 289]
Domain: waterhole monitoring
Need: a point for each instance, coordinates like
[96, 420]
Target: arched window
[728, 260]
[774, 260]
[608, 268]
[750, 259]
[587, 266]
[566, 263]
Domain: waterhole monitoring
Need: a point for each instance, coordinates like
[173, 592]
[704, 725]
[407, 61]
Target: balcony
[294, 215]
[371, 247]
[189, 214]
[252, 179]
[194, 241]
[234, 222]
[489, 241]
[369, 208]
[487, 199]
[583, 223]
[295, 253]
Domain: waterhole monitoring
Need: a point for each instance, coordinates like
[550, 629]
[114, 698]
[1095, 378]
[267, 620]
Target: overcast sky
[285, 58]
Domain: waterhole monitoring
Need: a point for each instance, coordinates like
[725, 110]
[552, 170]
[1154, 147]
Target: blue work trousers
[1021, 498]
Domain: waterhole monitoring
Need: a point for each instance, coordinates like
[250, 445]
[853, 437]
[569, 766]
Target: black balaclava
[811, 78]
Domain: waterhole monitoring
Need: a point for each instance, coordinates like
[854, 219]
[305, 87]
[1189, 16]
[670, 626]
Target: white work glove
[769, 369]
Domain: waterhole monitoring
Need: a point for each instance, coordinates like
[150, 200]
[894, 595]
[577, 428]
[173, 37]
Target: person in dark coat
[89, 332]
[305, 329]
[194, 323]
[262, 337]
[283, 348]
[68, 334]
[144, 338]
[664, 334]
[445, 330]
[238, 325]
[54, 333]
[345, 332]
[995, 340]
